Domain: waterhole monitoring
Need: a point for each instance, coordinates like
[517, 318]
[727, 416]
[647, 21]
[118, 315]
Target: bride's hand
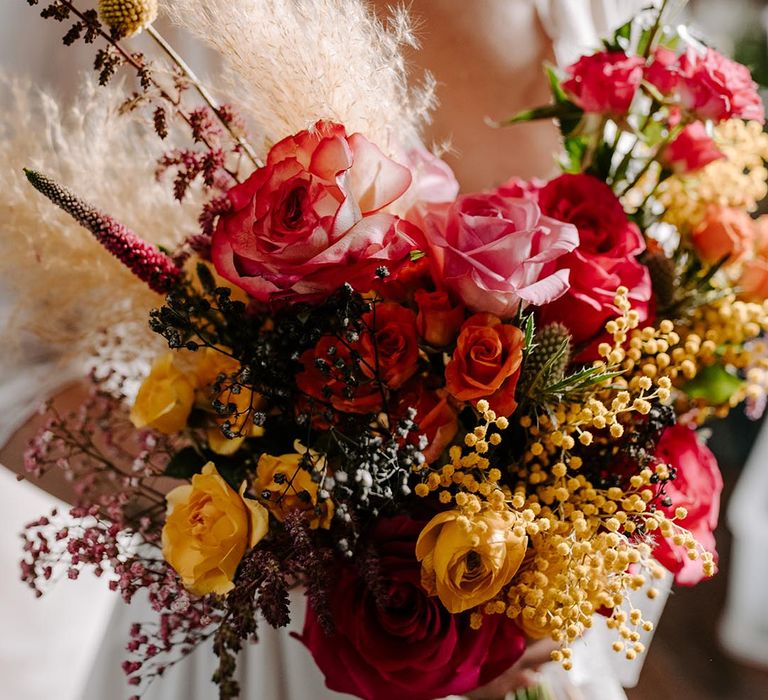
[523, 674]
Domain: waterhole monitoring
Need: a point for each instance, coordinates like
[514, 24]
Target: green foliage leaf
[715, 384]
[529, 330]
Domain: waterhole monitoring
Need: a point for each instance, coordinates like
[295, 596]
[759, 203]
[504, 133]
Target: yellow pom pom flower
[127, 17]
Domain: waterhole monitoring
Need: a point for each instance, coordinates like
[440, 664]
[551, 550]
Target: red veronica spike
[143, 259]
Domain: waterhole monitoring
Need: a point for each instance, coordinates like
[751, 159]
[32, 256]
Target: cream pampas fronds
[57, 282]
[291, 62]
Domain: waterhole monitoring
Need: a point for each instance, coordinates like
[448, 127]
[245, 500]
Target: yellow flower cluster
[738, 180]
[587, 543]
[725, 332]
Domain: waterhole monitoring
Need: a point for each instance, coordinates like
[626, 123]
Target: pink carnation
[691, 150]
[708, 85]
[605, 82]
[311, 220]
[495, 251]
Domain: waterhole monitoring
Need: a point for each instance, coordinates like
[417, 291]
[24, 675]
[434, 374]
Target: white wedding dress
[70, 645]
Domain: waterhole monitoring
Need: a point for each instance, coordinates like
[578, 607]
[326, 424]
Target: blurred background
[712, 640]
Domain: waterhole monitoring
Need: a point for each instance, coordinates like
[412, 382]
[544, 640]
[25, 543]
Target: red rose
[588, 305]
[390, 349]
[604, 260]
[592, 207]
[486, 363]
[691, 150]
[494, 251]
[310, 219]
[696, 487]
[435, 417]
[439, 320]
[605, 82]
[404, 643]
[332, 376]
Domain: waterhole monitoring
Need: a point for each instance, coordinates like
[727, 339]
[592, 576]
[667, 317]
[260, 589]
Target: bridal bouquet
[459, 422]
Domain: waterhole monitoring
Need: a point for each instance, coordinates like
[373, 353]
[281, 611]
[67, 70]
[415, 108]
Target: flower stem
[209, 99]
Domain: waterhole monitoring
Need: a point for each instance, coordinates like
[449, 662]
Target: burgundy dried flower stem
[141, 67]
[209, 99]
[145, 261]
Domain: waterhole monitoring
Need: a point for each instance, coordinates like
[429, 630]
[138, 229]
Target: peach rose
[285, 483]
[486, 363]
[466, 562]
[724, 231]
[208, 528]
[165, 398]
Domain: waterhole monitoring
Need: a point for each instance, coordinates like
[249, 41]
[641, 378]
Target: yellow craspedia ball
[127, 17]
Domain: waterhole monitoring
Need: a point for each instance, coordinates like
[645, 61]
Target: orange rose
[724, 231]
[208, 529]
[438, 321]
[486, 363]
[286, 484]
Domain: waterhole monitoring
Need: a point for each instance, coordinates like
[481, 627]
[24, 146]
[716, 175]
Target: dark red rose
[323, 379]
[696, 487]
[311, 219]
[390, 349]
[404, 644]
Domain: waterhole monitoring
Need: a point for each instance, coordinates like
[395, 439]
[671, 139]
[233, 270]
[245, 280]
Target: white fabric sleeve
[576, 26]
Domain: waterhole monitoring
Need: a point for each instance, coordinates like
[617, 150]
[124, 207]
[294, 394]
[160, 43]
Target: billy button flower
[291, 482]
[466, 559]
[208, 529]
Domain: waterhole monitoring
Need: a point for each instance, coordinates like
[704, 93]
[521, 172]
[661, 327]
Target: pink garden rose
[311, 220]
[708, 85]
[696, 487]
[692, 150]
[495, 251]
[605, 82]
[394, 640]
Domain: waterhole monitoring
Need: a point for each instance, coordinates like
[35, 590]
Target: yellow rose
[467, 560]
[210, 364]
[286, 486]
[165, 398]
[208, 528]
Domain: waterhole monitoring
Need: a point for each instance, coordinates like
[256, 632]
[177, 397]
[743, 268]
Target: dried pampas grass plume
[289, 63]
[60, 289]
